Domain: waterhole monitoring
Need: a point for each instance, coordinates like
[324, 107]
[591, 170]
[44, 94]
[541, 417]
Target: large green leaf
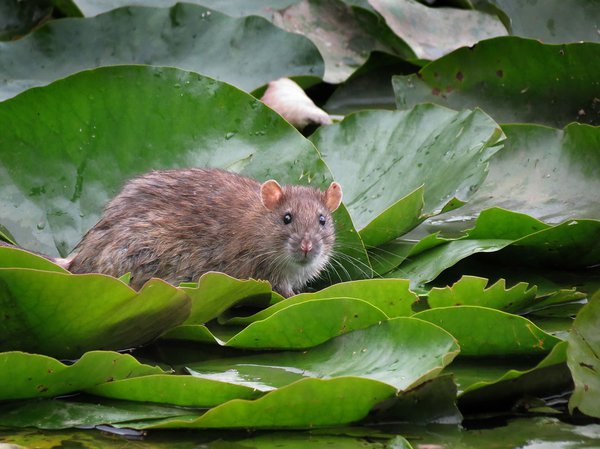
[583, 358]
[247, 52]
[431, 402]
[305, 404]
[552, 21]
[402, 352]
[33, 376]
[164, 118]
[181, 390]
[17, 18]
[18, 258]
[472, 291]
[297, 326]
[502, 381]
[383, 159]
[512, 79]
[522, 238]
[235, 8]
[490, 332]
[391, 296]
[432, 32]
[344, 35]
[58, 414]
[216, 292]
[552, 175]
[64, 315]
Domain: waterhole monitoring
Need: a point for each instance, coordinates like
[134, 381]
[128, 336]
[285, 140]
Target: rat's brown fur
[179, 224]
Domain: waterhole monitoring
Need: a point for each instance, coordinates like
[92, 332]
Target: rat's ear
[333, 196]
[271, 194]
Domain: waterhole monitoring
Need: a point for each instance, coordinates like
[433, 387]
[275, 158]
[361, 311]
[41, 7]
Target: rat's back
[171, 224]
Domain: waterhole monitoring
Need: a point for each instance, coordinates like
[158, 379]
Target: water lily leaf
[59, 414]
[474, 374]
[16, 257]
[557, 21]
[297, 326]
[472, 291]
[432, 32]
[583, 359]
[18, 18]
[234, 8]
[370, 87]
[247, 52]
[391, 296]
[36, 376]
[553, 286]
[552, 175]
[431, 402]
[372, 363]
[183, 390]
[344, 35]
[382, 158]
[401, 352]
[501, 382]
[490, 332]
[216, 292]
[299, 405]
[513, 79]
[165, 118]
[520, 237]
[64, 315]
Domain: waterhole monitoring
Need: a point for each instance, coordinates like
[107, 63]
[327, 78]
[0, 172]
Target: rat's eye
[287, 218]
[321, 220]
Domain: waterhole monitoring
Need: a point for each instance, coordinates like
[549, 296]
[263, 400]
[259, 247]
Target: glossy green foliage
[513, 80]
[65, 315]
[432, 32]
[583, 359]
[34, 376]
[246, 52]
[370, 151]
[496, 228]
[490, 332]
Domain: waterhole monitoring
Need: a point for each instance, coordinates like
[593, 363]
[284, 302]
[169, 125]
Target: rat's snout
[306, 246]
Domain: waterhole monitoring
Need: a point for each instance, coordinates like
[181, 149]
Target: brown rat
[179, 224]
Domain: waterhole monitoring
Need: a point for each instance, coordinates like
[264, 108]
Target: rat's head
[303, 229]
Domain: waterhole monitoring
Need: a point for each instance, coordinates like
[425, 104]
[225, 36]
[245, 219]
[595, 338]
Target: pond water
[526, 433]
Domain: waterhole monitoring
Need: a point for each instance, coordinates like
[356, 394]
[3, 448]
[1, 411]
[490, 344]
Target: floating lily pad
[16, 257]
[520, 237]
[552, 175]
[297, 326]
[247, 52]
[553, 21]
[216, 292]
[391, 296]
[385, 352]
[584, 361]
[65, 315]
[490, 332]
[181, 390]
[344, 35]
[471, 290]
[475, 375]
[513, 80]
[432, 32]
[382, 158]
[34, 376]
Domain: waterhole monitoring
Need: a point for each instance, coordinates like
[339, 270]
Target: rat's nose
[306, 246]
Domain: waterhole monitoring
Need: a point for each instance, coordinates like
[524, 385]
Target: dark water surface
[526, 433]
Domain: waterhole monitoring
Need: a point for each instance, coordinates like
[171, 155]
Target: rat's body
[179, 224]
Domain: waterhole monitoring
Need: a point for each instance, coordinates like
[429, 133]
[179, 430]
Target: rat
[178, 224]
